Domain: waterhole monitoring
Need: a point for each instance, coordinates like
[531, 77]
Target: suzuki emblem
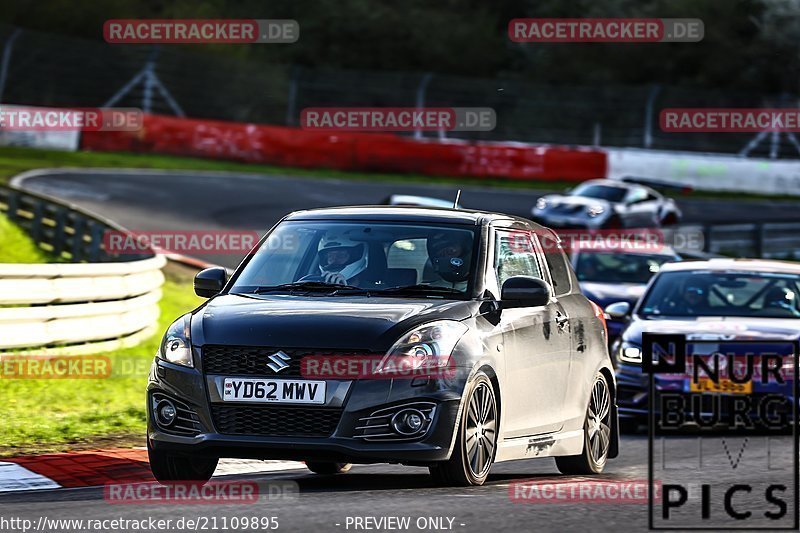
[278, 361]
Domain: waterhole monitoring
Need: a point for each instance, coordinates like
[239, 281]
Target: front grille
[566, 209]
[253, 360]
[186, 422]
[276, 421]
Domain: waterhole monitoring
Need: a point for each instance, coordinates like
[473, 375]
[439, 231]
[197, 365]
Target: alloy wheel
[481, 430]
[599, 423]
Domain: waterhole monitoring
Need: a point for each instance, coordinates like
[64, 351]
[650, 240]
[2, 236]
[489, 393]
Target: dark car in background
[509, 359]
[605, 203]
[728, 304]
[609, 276]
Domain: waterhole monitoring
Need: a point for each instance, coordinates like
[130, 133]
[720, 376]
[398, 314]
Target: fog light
[166, 413]
[408, 422]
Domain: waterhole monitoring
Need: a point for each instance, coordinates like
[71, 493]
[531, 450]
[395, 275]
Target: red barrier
[366, 152]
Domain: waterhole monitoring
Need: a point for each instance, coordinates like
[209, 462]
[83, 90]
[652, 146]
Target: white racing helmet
[338, 254]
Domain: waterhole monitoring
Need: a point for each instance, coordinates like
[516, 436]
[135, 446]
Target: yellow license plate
[725, 386]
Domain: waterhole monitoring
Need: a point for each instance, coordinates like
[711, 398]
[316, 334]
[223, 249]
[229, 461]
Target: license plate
[725, 386]
[273, 390]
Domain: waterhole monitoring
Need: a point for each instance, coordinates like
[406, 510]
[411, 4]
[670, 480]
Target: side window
[636, 196]
[557, 263]
[514, 255]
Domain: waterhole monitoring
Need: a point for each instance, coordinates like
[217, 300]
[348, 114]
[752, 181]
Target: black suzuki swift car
[424, 336]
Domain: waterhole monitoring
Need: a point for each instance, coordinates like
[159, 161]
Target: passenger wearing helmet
[341, 259]
[781, 301]
[450, 253]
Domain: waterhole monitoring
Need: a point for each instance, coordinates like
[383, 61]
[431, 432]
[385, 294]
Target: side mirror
[524, 291]
[209, 282]
[618, 310]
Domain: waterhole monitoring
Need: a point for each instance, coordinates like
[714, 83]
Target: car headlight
[629, 353]
[427, 348]
[595, 210]
[176, 346]
[541, 203]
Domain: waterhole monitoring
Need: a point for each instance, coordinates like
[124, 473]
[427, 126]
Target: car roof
[737, 265]
[621, 185]
[408, 214]
[610, 183]
[428, 201]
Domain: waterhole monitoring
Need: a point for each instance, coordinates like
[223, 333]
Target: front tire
[328, 469]
[596, 434]
[476, 442]
[169, 468]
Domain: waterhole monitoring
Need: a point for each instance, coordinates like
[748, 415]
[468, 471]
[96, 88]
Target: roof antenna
[458, 197]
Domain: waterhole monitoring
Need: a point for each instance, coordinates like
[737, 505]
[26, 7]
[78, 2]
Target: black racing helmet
[450, 253]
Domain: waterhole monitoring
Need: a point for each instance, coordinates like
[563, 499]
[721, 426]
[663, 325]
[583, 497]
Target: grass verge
[41, 415]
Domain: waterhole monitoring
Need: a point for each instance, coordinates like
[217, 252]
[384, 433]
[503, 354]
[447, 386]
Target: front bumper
[348, 403]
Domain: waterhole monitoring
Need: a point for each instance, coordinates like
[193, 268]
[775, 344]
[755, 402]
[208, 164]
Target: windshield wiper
[421, 289]
[310, 286]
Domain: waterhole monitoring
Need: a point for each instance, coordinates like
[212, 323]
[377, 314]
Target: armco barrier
[366, 152]
[74, 307]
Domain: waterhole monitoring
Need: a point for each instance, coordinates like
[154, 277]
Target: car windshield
[711, 293]
[618, 267]
[397, 259]
[602, 192]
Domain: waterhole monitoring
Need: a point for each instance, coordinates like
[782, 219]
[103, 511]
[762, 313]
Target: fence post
[36, 223]
[759, 239]
[291, 100]
[423, 86]
[58, 231]
[13, 203]
[96, 233]
[648, 116]
[7, 59]
[77, 239]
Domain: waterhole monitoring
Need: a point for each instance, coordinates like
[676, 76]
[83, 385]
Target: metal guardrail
[773, 240]
[98, 302]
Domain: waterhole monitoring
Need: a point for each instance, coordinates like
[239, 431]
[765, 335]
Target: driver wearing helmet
[341, 259]
[449, 253]
[694, 299]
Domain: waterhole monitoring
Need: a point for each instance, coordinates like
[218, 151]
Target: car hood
[716, 328]
[604, 294]
[318, 321]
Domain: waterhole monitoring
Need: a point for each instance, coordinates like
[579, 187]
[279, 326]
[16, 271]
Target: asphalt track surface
[164, 201]
[333, 503]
